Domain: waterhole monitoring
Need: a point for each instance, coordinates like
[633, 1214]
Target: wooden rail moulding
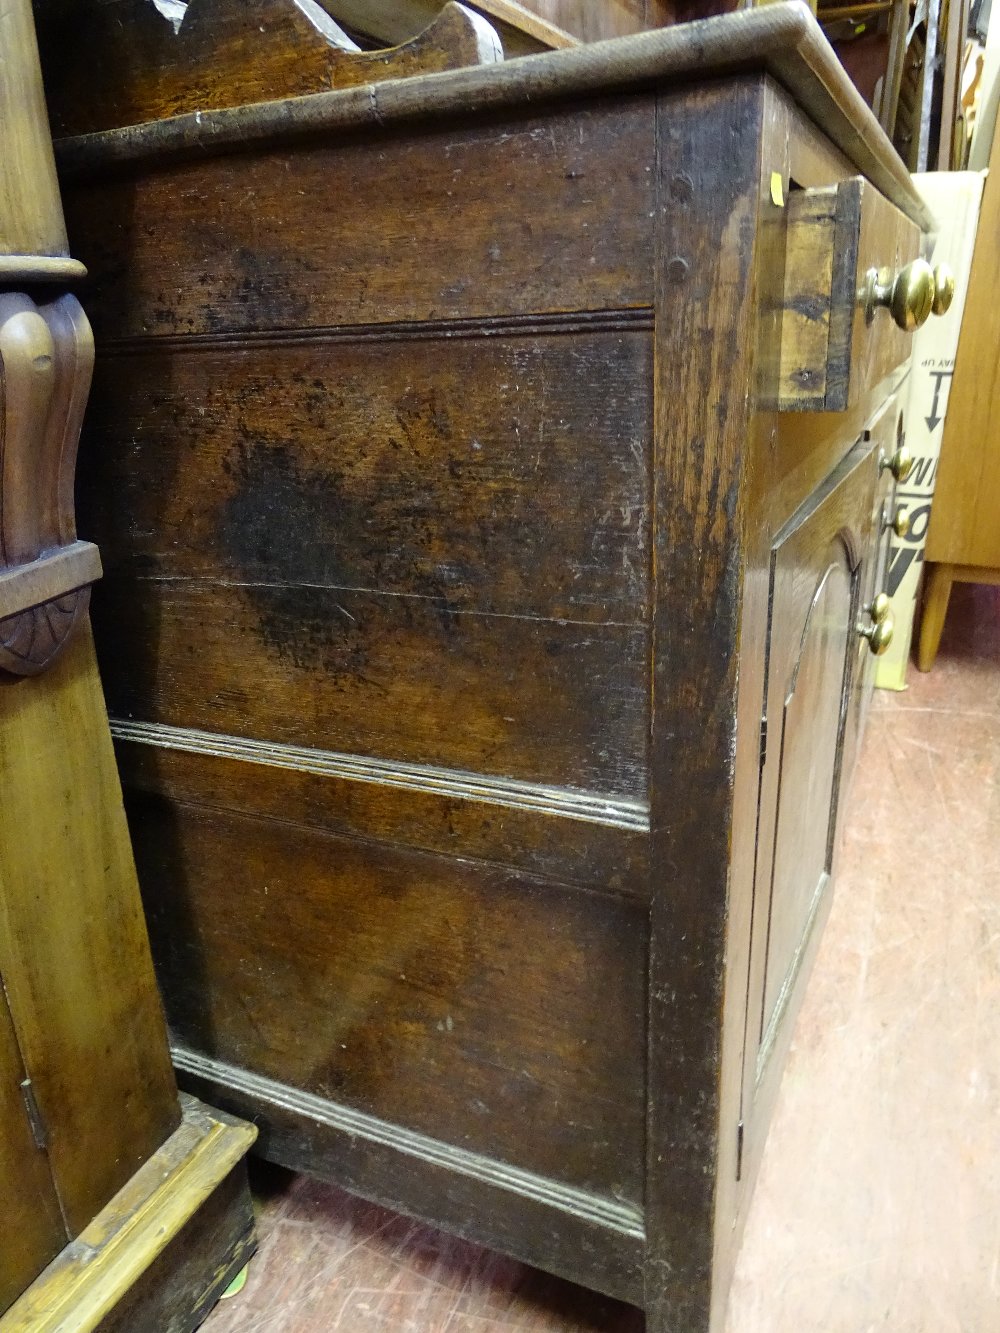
[492, 535]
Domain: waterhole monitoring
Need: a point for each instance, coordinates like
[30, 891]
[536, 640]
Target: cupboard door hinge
[34, 1115]
[739, 1150]
[763, 739]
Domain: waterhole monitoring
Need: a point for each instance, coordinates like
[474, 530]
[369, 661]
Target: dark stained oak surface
[437, 459]
[220, 252]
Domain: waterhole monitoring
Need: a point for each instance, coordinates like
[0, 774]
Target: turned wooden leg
[937, 590]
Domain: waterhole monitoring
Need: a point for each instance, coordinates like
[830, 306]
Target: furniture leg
[936, 594]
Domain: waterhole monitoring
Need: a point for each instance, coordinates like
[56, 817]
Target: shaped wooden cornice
[111, 63]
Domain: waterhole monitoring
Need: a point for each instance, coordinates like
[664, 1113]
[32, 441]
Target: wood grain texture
[709, 201]
[374, 976]
[128, 64]
[506, 634]
[73, 949]
[805, 320]
[155, 1256]
[183, 1285]
[390, 22]
[614, 18]
[833, 349]
[46, 359]
[781, 40]
[815, 601]
[965, 517]
[368, 678]
[32, 1230]
[605, 849]
[393, 677]
[865, 346]
[308, 1134]
[31, 221]
[394, 467]
[212, 257]
[524, 28]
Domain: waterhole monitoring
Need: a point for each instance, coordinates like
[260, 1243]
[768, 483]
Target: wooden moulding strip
[455, 784]
[613, 1215]
[782, 40]
[91, 1276]
[48, 578]
[40, 268]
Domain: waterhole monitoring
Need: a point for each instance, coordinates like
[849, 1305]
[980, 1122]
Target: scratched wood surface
[438, 554]
[224, 53]
[396, 969]
[209, 259]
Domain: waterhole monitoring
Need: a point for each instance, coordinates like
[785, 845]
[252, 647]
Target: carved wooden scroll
[133, 61]
[46, 359]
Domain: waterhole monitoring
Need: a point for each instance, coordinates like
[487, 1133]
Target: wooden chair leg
[937, 590]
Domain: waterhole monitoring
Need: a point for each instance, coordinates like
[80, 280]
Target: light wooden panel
[31, 1229]
[73, 947]
[965, 518]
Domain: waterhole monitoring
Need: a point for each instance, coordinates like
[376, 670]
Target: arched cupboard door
[818, 576]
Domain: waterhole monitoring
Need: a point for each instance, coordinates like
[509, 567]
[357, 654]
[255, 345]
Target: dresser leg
[937, 590]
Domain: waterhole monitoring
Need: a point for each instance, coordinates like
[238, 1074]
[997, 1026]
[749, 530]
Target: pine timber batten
[782, 39]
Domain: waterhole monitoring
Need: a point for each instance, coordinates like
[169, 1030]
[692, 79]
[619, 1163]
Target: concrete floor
[878, 1203]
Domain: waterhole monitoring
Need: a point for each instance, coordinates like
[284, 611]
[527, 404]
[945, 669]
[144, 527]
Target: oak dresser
[493, 473]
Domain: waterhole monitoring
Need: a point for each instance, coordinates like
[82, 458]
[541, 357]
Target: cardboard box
[954, 198]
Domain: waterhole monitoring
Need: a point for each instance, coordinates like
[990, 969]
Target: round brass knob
[901, 523]
[944, 289]
[909, 296]
[879, 634]
[900, 464]
[880, 608]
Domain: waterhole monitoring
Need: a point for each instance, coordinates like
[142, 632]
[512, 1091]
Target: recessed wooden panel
[433, 551]
[460, 1000]
[395, 677]
[812, 637]
[606, 850]
[504, 474]
[267, 240]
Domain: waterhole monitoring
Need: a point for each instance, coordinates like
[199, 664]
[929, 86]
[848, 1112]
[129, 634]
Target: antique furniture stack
[122, 1207]
[494, 471]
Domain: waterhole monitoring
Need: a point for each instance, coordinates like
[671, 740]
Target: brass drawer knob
[880, 608]
[901, 523]
[944, 289]
[879, 634]
[916, 292]
[900, 464]
[909, 296]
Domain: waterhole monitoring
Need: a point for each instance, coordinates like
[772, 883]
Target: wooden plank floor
[878, 1205]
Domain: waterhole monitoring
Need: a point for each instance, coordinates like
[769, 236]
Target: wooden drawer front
[490, 1010]
[834, 345]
